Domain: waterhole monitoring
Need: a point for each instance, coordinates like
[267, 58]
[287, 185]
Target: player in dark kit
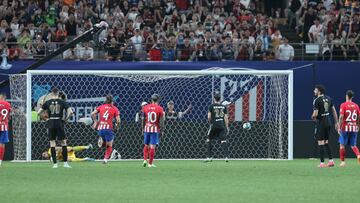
[323, 107]
[219, 126]
[55, 108]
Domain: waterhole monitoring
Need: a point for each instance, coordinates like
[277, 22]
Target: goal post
[263, 98]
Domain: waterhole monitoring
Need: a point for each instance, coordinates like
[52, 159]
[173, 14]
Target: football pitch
[180, 181]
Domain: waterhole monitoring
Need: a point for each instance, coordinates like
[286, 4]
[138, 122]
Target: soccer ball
[247, 126]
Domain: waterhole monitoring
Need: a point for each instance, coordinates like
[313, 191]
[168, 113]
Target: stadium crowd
[183, 30]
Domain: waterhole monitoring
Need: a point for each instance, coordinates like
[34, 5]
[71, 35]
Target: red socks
[108, 152]
[146, 152]
[356, 150]
[152, 155]
[2, 152]
[342, 154]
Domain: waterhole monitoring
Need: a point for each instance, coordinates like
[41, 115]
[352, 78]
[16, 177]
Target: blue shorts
[4, 137]
[107, 135]
[151, 138]
[348, 138]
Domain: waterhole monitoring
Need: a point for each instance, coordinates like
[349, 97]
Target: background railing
[158, 52]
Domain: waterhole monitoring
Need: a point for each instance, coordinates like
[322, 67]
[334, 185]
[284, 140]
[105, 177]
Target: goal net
[263, 98]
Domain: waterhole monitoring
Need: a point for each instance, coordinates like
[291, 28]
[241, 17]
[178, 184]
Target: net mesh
[260, 100]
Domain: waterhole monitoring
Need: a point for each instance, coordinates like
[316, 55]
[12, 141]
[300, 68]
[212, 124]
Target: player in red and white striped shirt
[349, 119]
[4, 124]
[107, 112]
[154, 119]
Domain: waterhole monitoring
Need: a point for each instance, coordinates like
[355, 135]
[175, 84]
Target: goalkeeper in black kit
[219, 127]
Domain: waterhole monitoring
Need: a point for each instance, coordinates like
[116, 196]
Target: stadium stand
[183, 30]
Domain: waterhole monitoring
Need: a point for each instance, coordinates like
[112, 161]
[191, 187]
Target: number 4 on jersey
[106, 115]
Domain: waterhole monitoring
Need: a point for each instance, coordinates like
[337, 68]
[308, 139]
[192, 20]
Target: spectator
[128, 51]
[352, 50]
[64, 14]
[308, 20]
[201, 50]
[24, 38]
[86, 53]
[338, 51]
[61, 33]
[185, 52]
[70, 54]
[150, 41]
[38, 18]
[113, 51]
[28, 51]
[137, 41]
[168, 52]
[326, 51]
[173, 20]
[3, 27]
[132, 14]
[228, 50]
[155, 53]
[40, 47]
[71, 27]
[245, 51]
[269, 56]
[148, 17]
[315, 33]
[214, 53]
[14, 25]
[294, 6]
[89, 13]
[355, 25]
[14, 52]
[265, 40]
[285, 51]
[258, 51]
[9, 38]
[50, 17]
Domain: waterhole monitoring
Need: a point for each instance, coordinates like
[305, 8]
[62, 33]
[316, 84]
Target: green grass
[180, 181]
